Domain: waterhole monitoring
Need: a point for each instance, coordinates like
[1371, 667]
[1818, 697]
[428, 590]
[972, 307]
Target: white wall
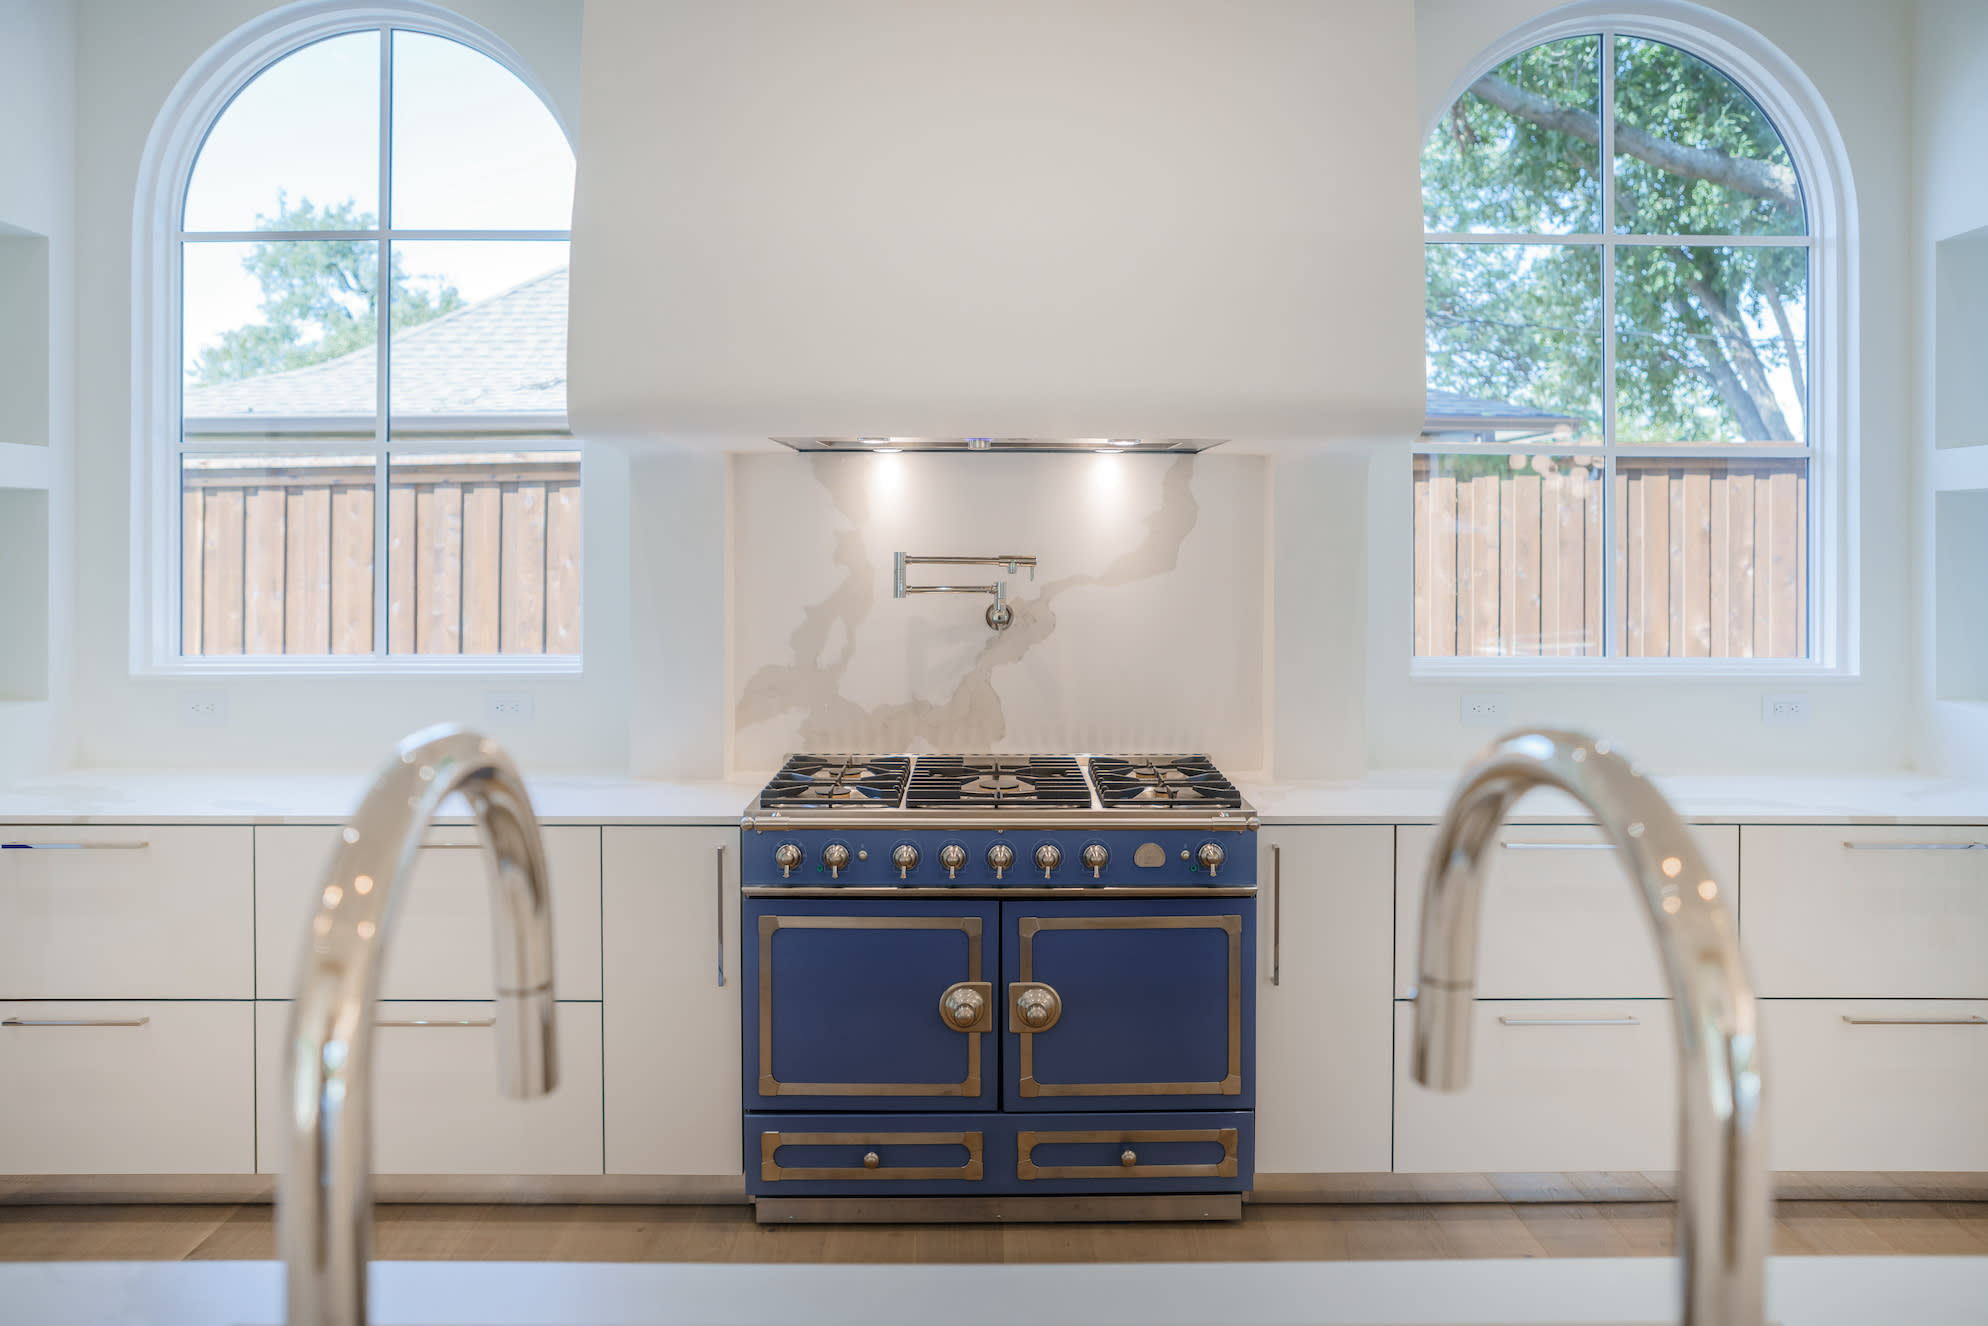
[1859, 57]
[131, 54]
[37, 198]
[1950, 193]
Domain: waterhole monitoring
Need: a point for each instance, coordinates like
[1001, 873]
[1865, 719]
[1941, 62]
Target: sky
[473, 148]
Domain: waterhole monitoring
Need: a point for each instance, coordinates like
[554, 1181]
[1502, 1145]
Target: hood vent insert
[1111, 446]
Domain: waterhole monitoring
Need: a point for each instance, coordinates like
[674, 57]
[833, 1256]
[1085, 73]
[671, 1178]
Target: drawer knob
[1128, 1157]
[871, 1160]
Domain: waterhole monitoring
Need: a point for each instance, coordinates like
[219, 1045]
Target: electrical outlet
[507, 707]
[1784, 710]
[1483, 709]
[203, 709]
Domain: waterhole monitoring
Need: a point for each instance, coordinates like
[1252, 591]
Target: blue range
[998, 987]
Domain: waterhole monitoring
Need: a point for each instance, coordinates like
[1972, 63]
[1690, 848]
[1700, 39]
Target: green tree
[320, 298]
[1701, 331]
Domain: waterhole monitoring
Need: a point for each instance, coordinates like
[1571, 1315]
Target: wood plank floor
[728, 1234]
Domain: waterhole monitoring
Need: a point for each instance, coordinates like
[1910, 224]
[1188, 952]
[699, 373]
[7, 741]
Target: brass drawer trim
[769, 1085]
[771, 1171]
[1225, 1168]
[1029, 926]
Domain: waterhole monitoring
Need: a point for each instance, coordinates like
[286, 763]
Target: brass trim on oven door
[1225, 1168]
[771, 1171]
[769, 1085]
[1027, 928]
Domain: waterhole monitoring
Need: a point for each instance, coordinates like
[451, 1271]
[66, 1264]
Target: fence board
[192, 538]
[1526, 553]
[352, 569]
[1443, 491]
[262, 571]
[221, 566]
[522, 615]
[400, 568]
[1595, 559]
[1784, 517]
[1694, 560]
[1426, 520]
[1484, 564]
[562, 568]
[438, 569]
[307, 571]
[482, 542]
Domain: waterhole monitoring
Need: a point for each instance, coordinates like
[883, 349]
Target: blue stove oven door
[1129, 1005]
[864, 1005]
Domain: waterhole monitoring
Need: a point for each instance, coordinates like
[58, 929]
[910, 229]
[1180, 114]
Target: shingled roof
[502, 355]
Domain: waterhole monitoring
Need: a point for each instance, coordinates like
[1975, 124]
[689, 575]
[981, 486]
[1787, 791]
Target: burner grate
[982, 782]
[1140, 782]
[837, 782]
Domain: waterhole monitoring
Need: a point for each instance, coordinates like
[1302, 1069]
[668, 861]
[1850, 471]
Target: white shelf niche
[1960, 595]
[23, 594]
[23, 339]
[1960, 340]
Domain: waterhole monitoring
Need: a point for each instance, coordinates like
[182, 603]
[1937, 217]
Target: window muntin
[302, 429]
[1659, 332]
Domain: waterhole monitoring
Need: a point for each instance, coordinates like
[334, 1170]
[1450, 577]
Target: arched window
[1631, 401]
[357, 407]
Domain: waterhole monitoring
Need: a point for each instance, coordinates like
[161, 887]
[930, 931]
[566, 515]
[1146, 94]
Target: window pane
[278, 338]
[483, 553]
[1693, 154]
[1518, 152]
[1514, 349]
[1711, 344]
[1711, 557]
[479, 332]
[473, 147]
[298, 148]
[1508, 555]
[276, 554]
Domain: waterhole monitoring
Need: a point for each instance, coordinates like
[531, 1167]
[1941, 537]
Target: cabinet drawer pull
[721, 914]
[1557, 847]
[1571, 1022]
[1917, 847]
[1915, 1022]
[74, 847]
[76, 1022]
[1276, 914]
[435, 1022]
[451, 847]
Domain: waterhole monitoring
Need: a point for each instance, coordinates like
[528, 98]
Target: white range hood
[1019, 219]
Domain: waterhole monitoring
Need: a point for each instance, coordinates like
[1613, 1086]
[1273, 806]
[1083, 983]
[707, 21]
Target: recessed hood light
[1029, 445]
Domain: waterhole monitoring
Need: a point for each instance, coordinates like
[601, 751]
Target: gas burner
[995, 782]
[838, 782]
[1157, 781]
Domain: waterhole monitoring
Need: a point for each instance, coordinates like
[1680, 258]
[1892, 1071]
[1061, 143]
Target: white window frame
[1796, 108]
[202, 95]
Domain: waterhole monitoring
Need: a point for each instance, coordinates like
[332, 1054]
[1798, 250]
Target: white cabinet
[126, 1087]
[1324, 916]
[441, 942]
[1861, 911]
[670, 907]
[436, 1104]
[1555, 1085]
[1876, 1084]
[139, 912]
[1560, 918]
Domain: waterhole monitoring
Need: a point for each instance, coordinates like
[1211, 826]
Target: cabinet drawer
[1555, 1085]
[436, 1106]
[137, 912]
[921, 1153]
[1134, 1153]
[1561, 920]
[1900, 1088]
[140, 1088]
[1867, 912]
[441, 939]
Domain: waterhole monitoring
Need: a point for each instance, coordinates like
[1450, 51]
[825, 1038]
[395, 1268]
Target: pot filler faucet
[324, 1203]
[1722, 1199]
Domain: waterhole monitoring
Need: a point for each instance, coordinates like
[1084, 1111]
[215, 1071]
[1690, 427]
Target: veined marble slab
[1802, 1291]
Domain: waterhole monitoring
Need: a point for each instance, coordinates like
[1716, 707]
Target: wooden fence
[1709, 558]
[483, 555]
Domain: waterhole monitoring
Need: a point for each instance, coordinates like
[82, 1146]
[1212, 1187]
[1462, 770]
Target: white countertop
[1802, 1291]
[108, 796]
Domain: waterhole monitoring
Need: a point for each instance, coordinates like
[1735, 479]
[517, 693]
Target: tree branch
[1761, 179]
[1722, 375]
[1744, 357]
[1773, 293]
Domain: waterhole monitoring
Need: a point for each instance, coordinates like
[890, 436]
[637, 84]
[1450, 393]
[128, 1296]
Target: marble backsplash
[1143, 630]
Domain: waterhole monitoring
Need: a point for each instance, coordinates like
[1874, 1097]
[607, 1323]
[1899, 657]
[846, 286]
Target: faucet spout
[324, 1208]
[1722, 1197]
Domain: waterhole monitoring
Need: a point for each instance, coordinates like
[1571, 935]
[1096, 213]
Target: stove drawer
[1147, 1153]
[1129, 1005]
[833, 1154]
[851, 1005]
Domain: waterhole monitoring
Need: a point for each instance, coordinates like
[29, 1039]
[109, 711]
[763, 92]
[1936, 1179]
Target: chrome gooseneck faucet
[324, 1207]
[1723, 1199]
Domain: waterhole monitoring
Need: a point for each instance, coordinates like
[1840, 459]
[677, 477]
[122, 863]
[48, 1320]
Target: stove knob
[905, 858]
[1095, 856]
[1210, 855]
[787, 856]
[999, 857]
[1047, 858]
[952, 856]
[835, 856]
